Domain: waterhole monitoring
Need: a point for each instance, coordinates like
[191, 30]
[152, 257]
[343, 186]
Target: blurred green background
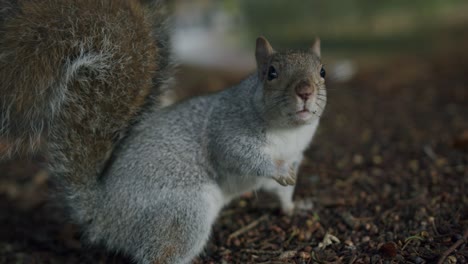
[362, 26]
[347, 27]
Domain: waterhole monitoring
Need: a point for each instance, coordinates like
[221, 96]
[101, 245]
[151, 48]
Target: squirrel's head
[293, 82]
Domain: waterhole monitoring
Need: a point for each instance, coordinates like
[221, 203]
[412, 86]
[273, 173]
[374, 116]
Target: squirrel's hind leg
[174, 229]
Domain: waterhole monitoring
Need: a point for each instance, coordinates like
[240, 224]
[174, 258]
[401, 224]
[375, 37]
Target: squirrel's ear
[263, 50]
[316, 47]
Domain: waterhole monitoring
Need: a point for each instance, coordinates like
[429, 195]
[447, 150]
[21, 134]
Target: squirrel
[81, 82]
[180, 165]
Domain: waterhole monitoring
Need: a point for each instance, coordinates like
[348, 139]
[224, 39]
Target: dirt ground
[387, 174]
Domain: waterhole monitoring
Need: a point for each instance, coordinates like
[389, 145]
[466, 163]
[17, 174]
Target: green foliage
[294, 22]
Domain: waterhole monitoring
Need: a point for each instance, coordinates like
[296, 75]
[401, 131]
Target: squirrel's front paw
[286, 174]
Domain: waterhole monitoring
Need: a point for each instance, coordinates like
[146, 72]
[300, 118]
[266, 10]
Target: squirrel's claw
[287, 175]
[280, 181]
[290, 179]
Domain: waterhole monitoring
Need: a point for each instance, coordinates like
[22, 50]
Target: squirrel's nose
[304, 90]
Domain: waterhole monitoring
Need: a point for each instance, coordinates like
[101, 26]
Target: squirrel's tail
[45, 50]
[73, 76]
[31, 87]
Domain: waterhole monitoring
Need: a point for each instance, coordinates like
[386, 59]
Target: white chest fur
[289, 144]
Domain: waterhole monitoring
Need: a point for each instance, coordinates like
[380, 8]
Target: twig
[453, 247]
[229, 212]
[402, 203]
[266, 252]
[432, 221]
[409, 239]
[247, 227]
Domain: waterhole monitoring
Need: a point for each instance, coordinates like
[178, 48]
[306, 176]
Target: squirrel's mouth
[303, 114]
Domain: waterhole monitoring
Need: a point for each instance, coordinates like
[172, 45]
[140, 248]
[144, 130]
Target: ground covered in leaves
[387, 173]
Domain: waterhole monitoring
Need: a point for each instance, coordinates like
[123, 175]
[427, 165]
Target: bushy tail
[73, 76]
[31, 87]
[45, 52]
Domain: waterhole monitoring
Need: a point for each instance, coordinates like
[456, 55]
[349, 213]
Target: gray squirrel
[167, 183]
[141, 179]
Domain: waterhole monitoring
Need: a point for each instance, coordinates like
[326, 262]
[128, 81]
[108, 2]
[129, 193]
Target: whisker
[321, 107]
[277, 101]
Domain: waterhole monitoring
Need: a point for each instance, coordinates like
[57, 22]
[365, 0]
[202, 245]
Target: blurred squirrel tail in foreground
[73, 76]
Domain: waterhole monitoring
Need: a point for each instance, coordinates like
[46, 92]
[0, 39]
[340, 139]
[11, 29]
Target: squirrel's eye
[272, 74]
[322, 72]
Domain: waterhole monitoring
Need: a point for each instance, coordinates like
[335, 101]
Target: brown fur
[76, 73]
